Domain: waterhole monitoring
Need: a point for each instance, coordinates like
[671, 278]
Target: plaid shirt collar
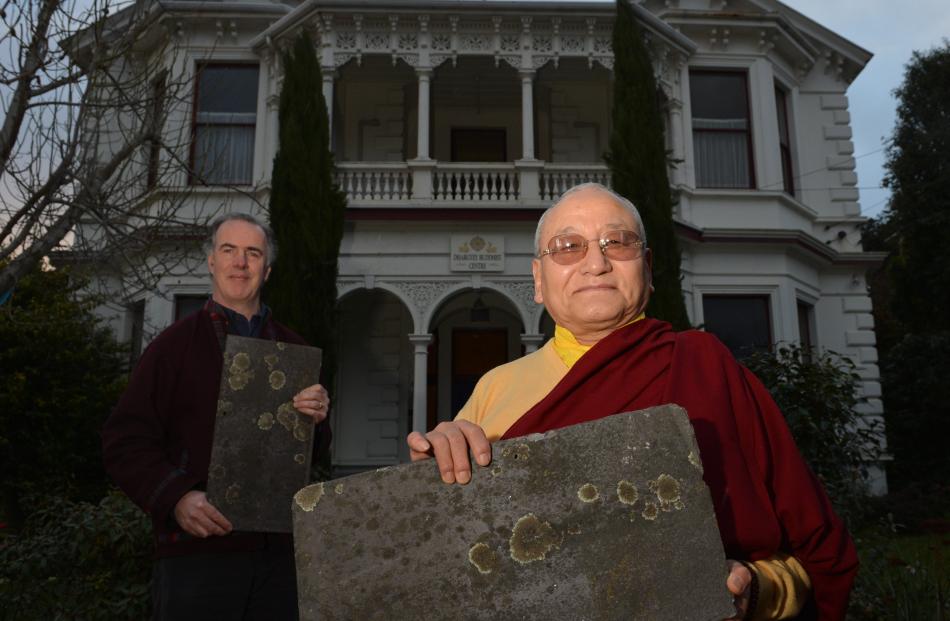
[223, 320]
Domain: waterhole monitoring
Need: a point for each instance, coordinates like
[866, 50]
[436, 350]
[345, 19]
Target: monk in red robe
[592, 271]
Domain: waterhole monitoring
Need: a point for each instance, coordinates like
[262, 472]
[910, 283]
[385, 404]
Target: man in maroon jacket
[157, 445]
[592, 271]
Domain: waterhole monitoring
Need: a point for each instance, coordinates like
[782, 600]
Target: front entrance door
[474, 352]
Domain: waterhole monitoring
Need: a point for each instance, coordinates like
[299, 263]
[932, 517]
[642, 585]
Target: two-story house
[455, 123]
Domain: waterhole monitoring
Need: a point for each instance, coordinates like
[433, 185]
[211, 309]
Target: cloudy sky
[891, 31]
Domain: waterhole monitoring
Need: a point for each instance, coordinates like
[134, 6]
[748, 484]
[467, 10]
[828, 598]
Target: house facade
[455, 123]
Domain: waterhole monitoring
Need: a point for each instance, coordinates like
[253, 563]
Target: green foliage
[306, 210]
[902, 578]
[638, 161]
[917, 408]
[62, 372]
[918, 216]
[816, 393]
[77, 560]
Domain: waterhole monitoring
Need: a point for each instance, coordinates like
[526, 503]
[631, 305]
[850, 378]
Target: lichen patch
[627, 492]
[277, 380]
[308, 497]
[232, 494]
[299, 458]
[265, 421]
[532, 539]
[588, 492]
[694, 460]
[667, 490]
[338, 489]
[287, 415]
[271, 360]
[483, 558]
[519, 451]
[650, 511]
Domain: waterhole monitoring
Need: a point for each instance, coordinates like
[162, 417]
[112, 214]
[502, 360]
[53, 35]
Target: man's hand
[739, 584]
[450, 443]
[313, 401]
[198, 517]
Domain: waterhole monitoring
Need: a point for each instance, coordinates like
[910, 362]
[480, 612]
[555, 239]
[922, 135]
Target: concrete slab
[262, 446]
[605, 520]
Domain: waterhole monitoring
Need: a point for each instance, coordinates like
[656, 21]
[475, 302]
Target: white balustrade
[556, 178]
[475, 183]
[368, 182]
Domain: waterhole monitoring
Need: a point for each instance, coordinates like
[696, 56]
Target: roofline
[545, 7]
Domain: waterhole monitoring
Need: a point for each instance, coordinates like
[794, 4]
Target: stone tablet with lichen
[262, 446]
[606, 520]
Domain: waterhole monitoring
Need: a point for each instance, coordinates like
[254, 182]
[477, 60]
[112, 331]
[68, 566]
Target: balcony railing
[375, 182]
[430, 183]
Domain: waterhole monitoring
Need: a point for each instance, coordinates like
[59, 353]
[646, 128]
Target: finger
[458, 444]
[216, 519]
[739, 578]
[442, 452]
[477, 442]
[419, 447]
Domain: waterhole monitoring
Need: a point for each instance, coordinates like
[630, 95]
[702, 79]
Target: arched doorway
[370, 416]
[473, 332]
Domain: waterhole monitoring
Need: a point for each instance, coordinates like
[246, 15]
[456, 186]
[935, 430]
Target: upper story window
[722, 129]
[784, 140]
[225, 116]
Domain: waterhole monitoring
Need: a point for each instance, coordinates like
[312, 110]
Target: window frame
[750, 146]
[787, 163]
[193, 177]
[733, 295]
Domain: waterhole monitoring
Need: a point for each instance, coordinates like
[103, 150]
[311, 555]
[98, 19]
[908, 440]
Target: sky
[891, 31]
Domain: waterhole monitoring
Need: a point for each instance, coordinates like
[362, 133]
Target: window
[785, 144]
[188, 304]
[155, 118]
[805, 325]
[137, 330]
[740, 321]
[225, 115]
[722, 136]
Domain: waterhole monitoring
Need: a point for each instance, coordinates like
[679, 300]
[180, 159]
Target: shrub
[78, 560]
[62, 371]
[816, 392]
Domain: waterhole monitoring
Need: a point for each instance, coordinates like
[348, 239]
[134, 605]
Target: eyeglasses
[615, 245]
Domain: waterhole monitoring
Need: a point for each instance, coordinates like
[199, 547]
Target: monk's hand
[739, 584]
[450, 443]
[200, 518]
[313, 401]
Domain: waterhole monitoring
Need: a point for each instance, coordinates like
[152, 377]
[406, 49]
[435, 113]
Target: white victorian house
[455, 122]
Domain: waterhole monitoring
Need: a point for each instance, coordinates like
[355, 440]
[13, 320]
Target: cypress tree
[638, 162]
[306, 209]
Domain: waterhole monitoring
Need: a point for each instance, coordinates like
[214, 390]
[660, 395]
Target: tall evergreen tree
[638, 162]
[306, 209]
[918, 216]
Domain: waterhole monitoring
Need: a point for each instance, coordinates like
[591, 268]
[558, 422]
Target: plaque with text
[262, 446]
[609, 519]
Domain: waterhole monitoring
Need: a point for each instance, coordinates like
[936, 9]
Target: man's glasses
[616, 245]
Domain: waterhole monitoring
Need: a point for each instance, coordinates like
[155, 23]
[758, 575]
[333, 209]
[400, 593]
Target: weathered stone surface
[606, 520]
[262, 446]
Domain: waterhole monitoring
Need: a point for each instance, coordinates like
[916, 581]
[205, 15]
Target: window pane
[718, 95]
[722, 160]
[741, 322]
[227, 88]
[721, 129]
[224, 153]
[188, 304]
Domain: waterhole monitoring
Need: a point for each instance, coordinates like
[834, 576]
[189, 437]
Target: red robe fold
[766, 498]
